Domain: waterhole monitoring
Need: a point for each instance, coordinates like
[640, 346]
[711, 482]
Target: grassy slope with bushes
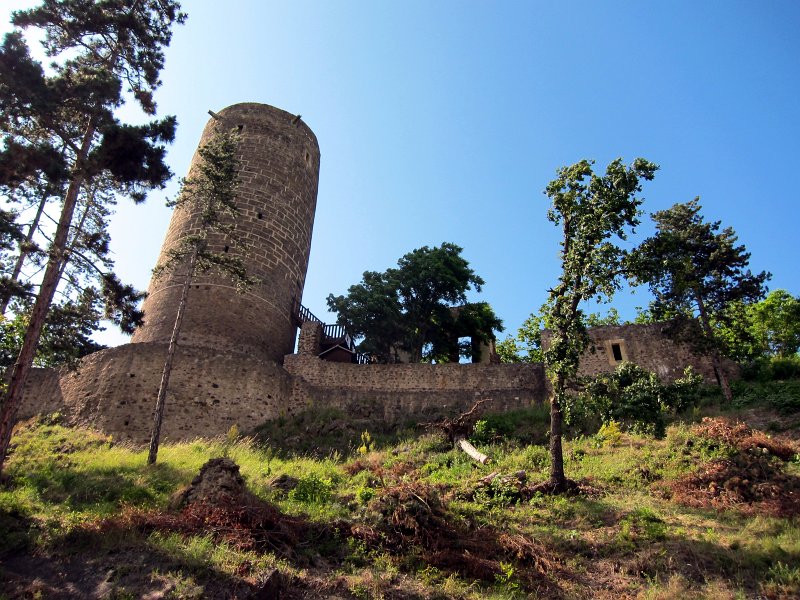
[709, 511]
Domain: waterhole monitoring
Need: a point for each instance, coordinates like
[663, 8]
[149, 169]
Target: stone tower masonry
[276, 199]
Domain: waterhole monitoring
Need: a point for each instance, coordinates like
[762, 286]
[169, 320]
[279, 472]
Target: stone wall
[399, 392]
[646, 345]
[115, 390]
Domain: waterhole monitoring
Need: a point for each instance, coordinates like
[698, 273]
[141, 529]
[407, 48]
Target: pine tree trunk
[716, 362]
[158, 415]
[47, 289]
[557, 477]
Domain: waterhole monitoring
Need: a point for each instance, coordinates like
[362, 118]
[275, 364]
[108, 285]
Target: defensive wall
[114, 390]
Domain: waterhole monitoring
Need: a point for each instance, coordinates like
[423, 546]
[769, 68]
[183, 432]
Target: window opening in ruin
[308, 158]
[260, 216]
[240, 127]
[617, 352]
[465, 347]
[226, 248]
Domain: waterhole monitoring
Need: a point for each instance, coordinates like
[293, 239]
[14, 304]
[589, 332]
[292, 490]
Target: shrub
[636, 399]
[631, 396]
[367, 443]
[609, 434]
[492, 427]
[312, 488]
[772, 368]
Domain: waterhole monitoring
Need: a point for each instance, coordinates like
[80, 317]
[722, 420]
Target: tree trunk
[47, 289]
[23, 254]
[472, 451]
[716, 363]
[158, 415]
[557, 476]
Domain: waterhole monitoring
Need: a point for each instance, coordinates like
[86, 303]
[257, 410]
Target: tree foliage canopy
[694, 268]
[769, 327]
[592, 210]
[419, 307]
[526, 346]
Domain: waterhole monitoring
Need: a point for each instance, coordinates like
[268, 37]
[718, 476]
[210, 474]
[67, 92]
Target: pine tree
[696, 273]
[61, 125]
[210, 192]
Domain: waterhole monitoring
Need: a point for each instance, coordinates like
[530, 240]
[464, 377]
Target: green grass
[65, 483]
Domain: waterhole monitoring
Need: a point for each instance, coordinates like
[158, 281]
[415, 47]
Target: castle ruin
[234, 364]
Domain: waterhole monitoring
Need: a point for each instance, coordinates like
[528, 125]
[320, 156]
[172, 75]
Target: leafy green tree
[210, 192]
[591, 210]
[734, 333]
[526, 346]
[372, 310]
[598, 320]
[66, 335]
[768, 328]
[775, 323]
[696, 271]
[411, 307]
[61, 125]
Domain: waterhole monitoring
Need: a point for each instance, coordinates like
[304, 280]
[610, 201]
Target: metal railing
[330, 333]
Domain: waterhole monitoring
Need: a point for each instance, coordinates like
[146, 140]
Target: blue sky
[444, 121]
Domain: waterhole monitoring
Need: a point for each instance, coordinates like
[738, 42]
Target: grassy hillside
[710, 511]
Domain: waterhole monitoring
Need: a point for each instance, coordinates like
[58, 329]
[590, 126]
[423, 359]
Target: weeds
[418, 515]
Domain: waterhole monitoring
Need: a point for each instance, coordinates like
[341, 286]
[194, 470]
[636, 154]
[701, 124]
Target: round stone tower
[276, 199]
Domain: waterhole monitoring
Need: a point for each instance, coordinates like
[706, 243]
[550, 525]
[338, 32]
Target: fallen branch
[472, 451]
[461, 426]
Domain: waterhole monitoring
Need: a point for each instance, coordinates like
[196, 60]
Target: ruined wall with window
[646, 345]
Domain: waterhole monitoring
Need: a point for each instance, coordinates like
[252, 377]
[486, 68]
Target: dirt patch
[752, 480]
[740, 436]
[414, 516]
[132, 570]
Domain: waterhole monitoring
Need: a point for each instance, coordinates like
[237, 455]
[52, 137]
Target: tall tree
[210, 192]
[62, 124]
[697, 271]
[591, 210]
[411, 307]
[371, 310]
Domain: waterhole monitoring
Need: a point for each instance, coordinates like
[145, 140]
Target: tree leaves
[411, 307]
